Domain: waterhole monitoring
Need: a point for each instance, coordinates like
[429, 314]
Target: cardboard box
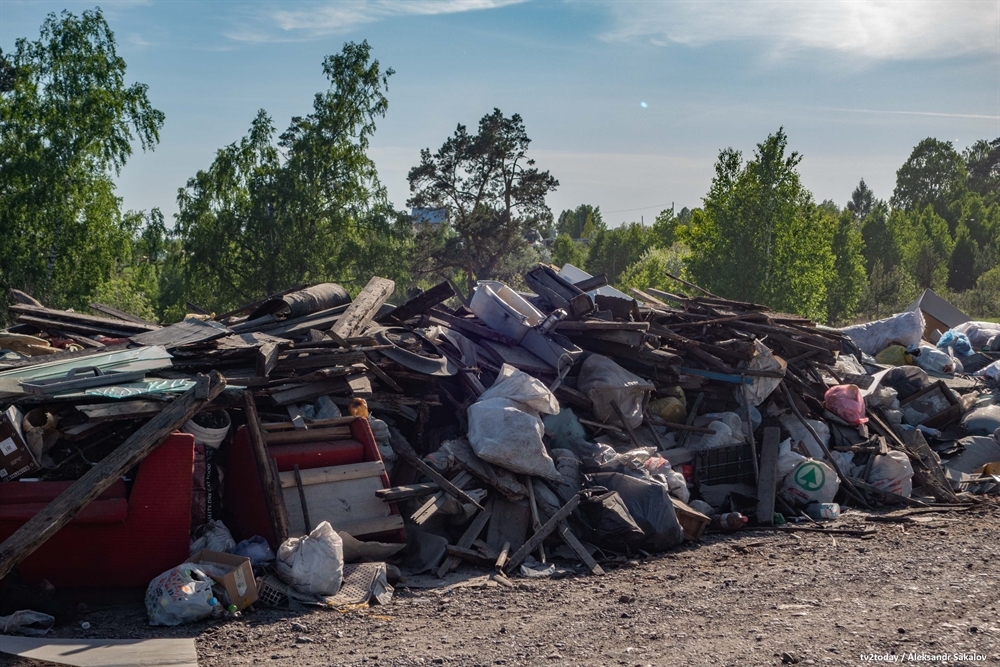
[241, 587]
[15, 457]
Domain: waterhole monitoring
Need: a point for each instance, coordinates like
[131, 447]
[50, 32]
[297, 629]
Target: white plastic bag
[604, 381]
[810, 481]
[505, 428]
[26, 622]
[179, 595]
[892, 472]
[873, 337]
[800, 433]
[737, 427]
[313, 564]
[723, 437]
[787, 459]
[763, 360]
[936, 361]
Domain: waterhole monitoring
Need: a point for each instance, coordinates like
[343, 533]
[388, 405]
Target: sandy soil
[923, 589]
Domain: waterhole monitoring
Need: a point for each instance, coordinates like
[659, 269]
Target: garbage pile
[340, 446]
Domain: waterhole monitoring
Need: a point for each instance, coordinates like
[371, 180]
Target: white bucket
[209, 437]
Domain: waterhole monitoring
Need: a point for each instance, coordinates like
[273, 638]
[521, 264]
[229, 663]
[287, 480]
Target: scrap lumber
[363, 309]
[120, 314]
[95, 481]
[397, 493]
[405, 452]
[581, 552]
[468, 537]
[767, 479]
[266, 469]
[532, 542]
[419, 304]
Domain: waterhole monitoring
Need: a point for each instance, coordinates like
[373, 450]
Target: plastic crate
[732, 464]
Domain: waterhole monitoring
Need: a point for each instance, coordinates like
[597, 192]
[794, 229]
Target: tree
[880, 232]
[982, 162]
[962, 263]
[67, 125]
[567, 251]
[665, 228]
[887, 292]
[492, 191]
[862, 201]
[583, 222]
[933, 175]
[266, 216]
[760, 237]
[612, 250]
[849, 275]
[653, 268]
[927, 246]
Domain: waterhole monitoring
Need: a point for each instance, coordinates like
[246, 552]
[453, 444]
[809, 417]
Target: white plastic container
[504, 310]
[209, 437]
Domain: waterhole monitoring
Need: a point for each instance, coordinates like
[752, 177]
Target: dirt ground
[923, 589]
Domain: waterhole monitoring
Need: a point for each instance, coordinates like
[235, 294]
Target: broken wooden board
[767, 480]
[106, 412]
[187, 332]
[468, 537]
[363, 309]
[420, 303]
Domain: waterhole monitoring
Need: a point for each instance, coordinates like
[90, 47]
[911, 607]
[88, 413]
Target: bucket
[209, 437]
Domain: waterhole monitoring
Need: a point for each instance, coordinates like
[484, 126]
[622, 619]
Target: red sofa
[116, 540]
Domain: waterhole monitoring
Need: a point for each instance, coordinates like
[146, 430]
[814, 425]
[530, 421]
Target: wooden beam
[397, 493]
[106, 412]
[121, 314]
[581, 551]
[420, 303]
[267, 358]
[767, 479]
[268, 472]
[95, 481]
[361, 311]
[405, 452]
[308, 435]
[468, 537]
[532, 543]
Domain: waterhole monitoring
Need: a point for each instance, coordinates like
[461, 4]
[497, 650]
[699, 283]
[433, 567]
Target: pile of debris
[337, 443]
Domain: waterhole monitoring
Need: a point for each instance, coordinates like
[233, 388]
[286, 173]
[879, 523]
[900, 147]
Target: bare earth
[925, 590]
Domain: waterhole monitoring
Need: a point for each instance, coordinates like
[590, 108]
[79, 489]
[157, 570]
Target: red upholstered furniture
[246, 511]
[115, 541]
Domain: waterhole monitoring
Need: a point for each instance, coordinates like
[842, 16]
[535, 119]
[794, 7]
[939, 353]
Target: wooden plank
[532, 543]
[370, 526]
[106, 412]
[361, 385]
[80, 318]
[279, 426]
[468, 326]
[383, 378]
[535, 521]
[767, 479]
[121, 314]
[306, 521]
[299, 393]
[268, 474]
[599, 325]
[95, 481]
[45, 325]
[581, 552]
[267, 358]
[502, 558]
[397, 493]
[470, 555]
[468, 537]
[187, 332]
[333, 474]
[428, 509]
[405, 452]
[340, 503]
[420, 303]
[308, 435]
[361, 311]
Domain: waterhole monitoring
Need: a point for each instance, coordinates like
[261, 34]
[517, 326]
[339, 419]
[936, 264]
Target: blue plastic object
[957, 341]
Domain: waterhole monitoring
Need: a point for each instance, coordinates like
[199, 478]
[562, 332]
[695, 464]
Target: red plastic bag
[846, 401]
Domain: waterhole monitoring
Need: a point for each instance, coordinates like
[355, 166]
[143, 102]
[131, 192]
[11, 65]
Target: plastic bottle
[729, 521]
[217, 609]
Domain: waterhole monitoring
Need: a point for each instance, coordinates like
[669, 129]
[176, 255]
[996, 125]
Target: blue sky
[627, 103]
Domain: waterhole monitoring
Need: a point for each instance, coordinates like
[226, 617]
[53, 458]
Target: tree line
[305, 205]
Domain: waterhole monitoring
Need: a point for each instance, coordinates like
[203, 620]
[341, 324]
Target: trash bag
[892, 472]
[845, 401]
[934, 360]
[504, 426]
[313, 564]
[179, 595]
[906, 380]
[568, 467]
[978, 333]
[722, 437]
[982, 421]
[957, 341]
[894, 355]
[801, 434]
[609, 521]
[213, 536]
[810, 481]
[604, 381]
[676, 483]
[872, 337]
[736, 424]
[256, 549]
[650, 505]
[26, 622]
[763, 360]
[788, 460]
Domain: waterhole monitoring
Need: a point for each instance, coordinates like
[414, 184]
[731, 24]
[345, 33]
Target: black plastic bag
[649, 504]
[608, 520]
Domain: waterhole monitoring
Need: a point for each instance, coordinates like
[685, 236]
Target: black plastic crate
[732, 464]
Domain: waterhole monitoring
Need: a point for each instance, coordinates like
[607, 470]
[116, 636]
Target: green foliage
[862, 201]
[654, 268]
[982, 161]
[927, 247]
[849, 276]
[613, 250]
[934, 175]
[567, 251]
[310, 208]
[962, 263]
[760, 237]
[881, 233]
[887, 292]
[67, 123]
[665, 228]
[494, 195]
[583, 222]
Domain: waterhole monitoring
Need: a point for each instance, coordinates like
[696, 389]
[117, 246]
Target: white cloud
[869, 29]
[316, 19]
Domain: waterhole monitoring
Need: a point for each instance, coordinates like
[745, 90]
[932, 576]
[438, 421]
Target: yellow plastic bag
[894, 355]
